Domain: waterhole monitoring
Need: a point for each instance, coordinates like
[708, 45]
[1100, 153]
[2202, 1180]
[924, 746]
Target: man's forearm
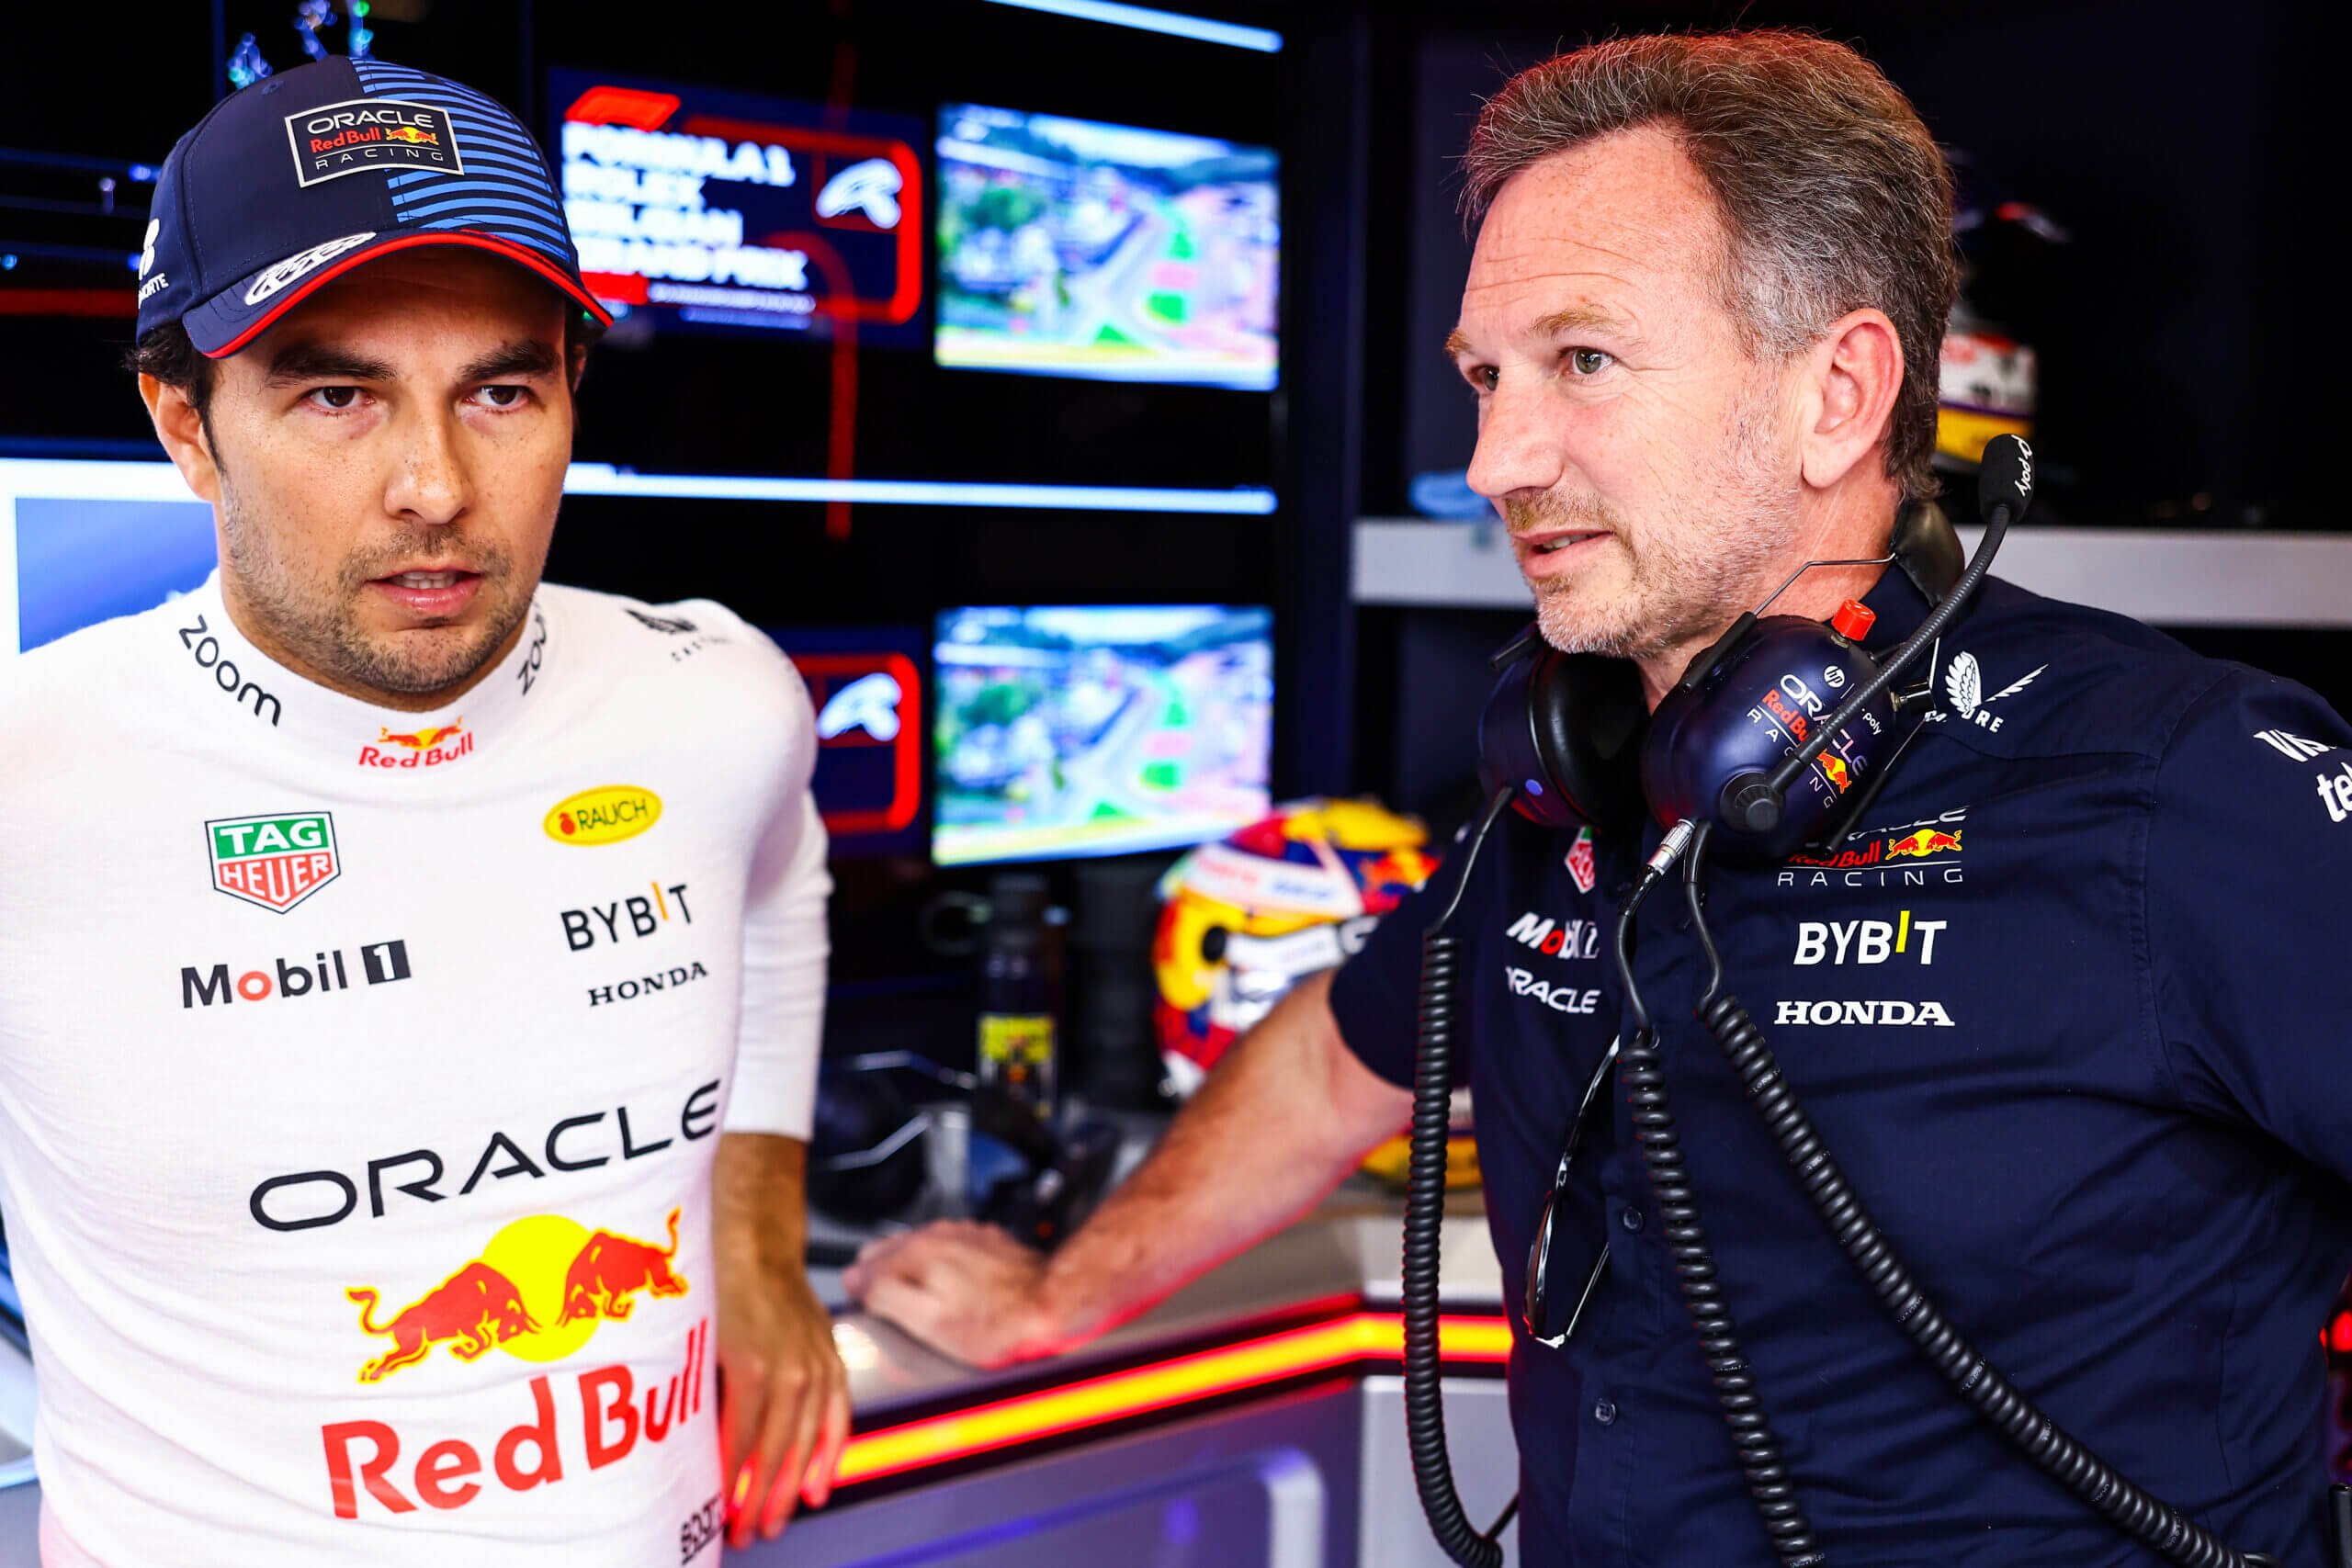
[759, 1199]
[1278, 1125]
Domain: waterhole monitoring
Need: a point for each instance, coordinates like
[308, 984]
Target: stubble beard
[314, 622]
[1688, 574]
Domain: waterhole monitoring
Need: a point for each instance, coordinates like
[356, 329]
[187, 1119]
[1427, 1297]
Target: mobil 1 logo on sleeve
[275, 861]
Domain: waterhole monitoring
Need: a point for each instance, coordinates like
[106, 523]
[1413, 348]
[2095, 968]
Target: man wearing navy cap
[402, 1117]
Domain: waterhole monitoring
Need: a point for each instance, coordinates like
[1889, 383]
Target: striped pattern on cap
[506, 189]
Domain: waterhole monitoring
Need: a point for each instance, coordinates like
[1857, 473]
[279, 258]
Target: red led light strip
[1162, 1385]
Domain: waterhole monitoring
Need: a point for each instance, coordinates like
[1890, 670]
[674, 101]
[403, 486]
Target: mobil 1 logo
[326, 972]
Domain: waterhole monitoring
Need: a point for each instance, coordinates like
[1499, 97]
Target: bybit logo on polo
[1867, 941]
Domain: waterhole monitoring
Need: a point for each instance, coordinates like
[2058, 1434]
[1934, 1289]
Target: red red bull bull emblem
[1926, 842]
[537, 1291]
[448, 1470]
[419, 748]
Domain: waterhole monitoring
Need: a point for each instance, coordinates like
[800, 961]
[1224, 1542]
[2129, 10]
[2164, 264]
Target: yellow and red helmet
[1245, 918]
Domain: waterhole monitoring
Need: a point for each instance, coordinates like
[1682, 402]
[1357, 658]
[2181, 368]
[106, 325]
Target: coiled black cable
[1425, 1221]
[1992, 1395]
[1758, 1446]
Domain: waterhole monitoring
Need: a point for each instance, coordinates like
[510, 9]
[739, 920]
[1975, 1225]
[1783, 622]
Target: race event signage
[723, 210]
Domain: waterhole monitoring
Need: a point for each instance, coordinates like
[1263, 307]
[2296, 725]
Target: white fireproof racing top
[360, 1077]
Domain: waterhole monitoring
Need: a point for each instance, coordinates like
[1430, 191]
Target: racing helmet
[1244, 919]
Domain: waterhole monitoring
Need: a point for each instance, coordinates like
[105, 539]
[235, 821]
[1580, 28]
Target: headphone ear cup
[1590, 720]
[1566, 729]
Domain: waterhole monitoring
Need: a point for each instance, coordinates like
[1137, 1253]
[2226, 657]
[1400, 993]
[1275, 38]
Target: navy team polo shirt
[2070, 1009]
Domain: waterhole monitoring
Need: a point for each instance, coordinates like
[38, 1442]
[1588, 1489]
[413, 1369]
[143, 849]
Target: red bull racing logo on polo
[275, 861]
[538, 1293]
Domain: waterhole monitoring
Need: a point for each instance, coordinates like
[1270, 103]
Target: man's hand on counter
[783, 1394]
[967, 1288]
[1283, 1116]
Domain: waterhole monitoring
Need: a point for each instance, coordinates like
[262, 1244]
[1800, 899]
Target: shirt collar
[361, 736]
[1899, 606]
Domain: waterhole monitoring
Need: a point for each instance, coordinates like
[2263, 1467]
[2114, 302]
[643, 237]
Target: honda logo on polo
[1916, 1014]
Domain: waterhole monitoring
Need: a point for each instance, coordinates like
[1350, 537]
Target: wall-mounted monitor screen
[866, 685]
[1068, 247]
[724, 211]
[1096, 731]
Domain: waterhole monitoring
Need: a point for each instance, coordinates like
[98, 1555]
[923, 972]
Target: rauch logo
[606, 815]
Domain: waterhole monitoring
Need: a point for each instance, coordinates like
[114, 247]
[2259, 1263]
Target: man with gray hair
[2088, 1093]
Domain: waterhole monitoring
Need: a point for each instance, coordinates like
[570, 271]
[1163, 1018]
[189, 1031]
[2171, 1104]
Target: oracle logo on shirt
[590, 1140]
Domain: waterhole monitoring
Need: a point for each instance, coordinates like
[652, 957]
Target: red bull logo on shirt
[537, 1291]
[419, 748]
[1925, 842]
[1917, 854]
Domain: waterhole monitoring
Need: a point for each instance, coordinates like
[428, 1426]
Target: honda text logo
[1917, 1014]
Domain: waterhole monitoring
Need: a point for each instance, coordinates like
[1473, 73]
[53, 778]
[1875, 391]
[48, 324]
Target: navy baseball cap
[303, 176]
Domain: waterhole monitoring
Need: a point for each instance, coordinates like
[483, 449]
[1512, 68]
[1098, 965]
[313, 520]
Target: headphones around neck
[1574, 734]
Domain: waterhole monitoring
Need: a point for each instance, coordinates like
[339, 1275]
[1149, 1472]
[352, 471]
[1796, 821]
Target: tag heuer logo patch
[1581, 867]
[276, 860]
[360, 134]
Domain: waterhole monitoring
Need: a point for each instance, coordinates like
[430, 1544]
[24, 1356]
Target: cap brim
[225, 323]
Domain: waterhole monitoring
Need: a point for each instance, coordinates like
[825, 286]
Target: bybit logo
[1867, 941]
[640, 915]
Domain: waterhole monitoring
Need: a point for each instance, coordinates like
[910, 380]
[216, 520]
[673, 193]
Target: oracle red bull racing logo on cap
[360, 134]
[275, 861]
[537, 1291]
